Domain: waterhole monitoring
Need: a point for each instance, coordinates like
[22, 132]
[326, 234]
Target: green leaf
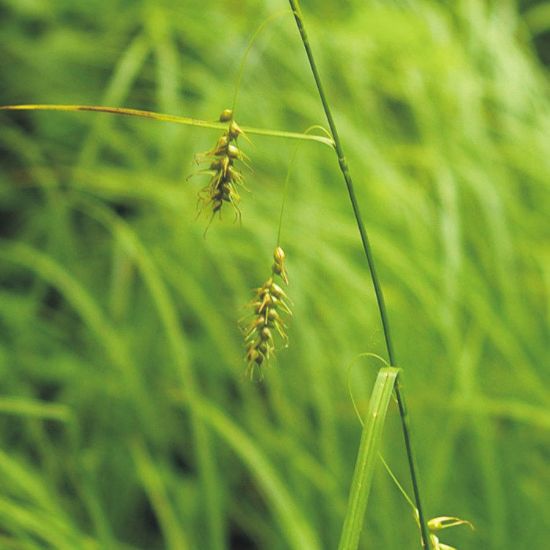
[367, 458]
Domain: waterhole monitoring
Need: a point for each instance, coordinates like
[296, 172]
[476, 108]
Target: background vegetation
[125, 421]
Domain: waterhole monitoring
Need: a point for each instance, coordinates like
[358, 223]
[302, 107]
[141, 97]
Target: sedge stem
[342, 162]
[152, 115]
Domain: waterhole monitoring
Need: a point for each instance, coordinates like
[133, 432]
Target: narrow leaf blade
[367, 458]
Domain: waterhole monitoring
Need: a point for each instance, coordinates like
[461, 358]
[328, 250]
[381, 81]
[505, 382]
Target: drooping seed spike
[269, 307]
[225, 177]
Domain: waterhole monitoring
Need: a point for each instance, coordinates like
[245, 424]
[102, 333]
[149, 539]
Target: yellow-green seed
[226, 116]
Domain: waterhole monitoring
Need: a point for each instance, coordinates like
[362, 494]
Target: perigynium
[444, 522]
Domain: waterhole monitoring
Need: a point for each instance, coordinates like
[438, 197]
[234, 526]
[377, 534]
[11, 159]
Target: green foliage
[367, 458]
[125, 420]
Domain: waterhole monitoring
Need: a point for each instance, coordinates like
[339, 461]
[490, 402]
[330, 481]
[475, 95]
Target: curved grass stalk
[124, 111]
[287, 179]
[244, 59]
[342, 162]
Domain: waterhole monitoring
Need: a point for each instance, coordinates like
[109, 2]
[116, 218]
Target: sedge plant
[270, 305]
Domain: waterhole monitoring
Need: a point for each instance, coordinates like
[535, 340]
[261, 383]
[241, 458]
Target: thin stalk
[169, 118]
[287, 179]
[294, 4]
[247, 52]
[285, 195]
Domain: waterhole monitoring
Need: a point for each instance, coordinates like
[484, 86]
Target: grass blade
[34, 408]
[154, 486]
[367, 458]
[297, 529]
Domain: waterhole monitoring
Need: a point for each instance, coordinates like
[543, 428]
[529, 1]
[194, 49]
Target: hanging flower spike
[269, 305]
[222, 187]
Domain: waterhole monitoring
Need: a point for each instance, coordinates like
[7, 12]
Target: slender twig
[294, 4]
[244, 59]
[287, 179]
[169, 118]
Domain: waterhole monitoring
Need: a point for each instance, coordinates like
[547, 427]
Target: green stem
[294, 4]
[169, 118]
[247, 52]
[287, 179]
[285, 195]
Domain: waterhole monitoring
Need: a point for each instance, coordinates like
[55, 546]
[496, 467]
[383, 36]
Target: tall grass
[112, 300]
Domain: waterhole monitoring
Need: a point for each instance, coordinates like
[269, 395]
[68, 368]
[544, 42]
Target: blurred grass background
[125, 421]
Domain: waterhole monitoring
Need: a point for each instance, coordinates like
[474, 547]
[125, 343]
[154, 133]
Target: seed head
[269, 306]
[224, 176]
